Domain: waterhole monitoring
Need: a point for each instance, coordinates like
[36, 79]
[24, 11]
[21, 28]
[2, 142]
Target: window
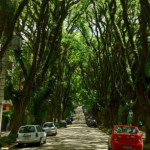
[48, 125]
[126, 130]
[39, 129]
[27, 129]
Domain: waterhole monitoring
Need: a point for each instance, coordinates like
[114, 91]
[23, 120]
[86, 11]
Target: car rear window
[48, 125]
[131, 130]
[27, 129]
[62, 121]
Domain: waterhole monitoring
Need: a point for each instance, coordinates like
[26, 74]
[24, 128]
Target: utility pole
[3, 66]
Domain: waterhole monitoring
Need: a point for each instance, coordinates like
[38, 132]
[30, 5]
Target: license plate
[127, 147]
[27, 137]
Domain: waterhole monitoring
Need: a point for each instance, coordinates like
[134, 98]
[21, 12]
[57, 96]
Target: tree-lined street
[75, 137]
[56, 55]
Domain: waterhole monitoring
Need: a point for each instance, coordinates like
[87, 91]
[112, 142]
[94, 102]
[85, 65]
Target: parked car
[88, 119]
[63, 123]
[125, 137]
[69, 120]
[31, 134]
[83, 107]
[50, 128]
[92, 123]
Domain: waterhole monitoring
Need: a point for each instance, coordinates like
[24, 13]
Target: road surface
[75, 137]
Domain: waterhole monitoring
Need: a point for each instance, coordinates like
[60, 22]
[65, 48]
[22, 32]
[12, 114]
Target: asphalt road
[75, 137]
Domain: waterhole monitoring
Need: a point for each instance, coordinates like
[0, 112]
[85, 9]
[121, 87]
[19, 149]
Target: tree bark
[17, 117]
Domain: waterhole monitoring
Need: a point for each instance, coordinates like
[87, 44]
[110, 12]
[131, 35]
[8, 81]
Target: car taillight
[36, 134]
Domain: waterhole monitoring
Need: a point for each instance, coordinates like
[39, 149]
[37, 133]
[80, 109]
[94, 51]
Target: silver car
[50, 128]
[31, 134]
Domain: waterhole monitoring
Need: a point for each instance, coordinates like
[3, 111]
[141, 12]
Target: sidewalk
[8, 148]
[3, 134]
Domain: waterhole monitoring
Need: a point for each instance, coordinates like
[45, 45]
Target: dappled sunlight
[75, 137]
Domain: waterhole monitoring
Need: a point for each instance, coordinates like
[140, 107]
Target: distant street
[75, 137]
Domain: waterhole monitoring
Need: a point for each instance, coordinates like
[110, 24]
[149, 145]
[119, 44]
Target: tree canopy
[90, 52]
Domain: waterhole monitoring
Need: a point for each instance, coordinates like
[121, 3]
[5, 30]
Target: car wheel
[109, 148]
[19, 145]
[45, 141]
[40, 142]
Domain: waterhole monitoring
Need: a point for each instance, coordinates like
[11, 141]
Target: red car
[125, 137]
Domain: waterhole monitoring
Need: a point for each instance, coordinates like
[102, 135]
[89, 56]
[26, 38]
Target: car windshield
[131, 130]
[27, 129]
[48, 125]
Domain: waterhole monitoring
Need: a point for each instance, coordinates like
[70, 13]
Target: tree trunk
[147, 125]
[99, 118]
[17, 118]
[3, 68]
[137, 114]
[113, 114]
[106, 118]
[124, 116]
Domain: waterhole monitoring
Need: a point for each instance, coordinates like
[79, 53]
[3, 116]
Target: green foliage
[8, 8]
[88, 56]
[38, 102]
[6, 141]
[8, 114]
[147, 68]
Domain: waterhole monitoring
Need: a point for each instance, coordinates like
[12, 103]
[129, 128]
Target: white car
[50, 128]
[31, 134]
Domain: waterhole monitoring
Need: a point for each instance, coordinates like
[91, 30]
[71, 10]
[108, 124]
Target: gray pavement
[75, 137]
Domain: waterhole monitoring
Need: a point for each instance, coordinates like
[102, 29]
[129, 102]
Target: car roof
[48, 122]
[30, 125]
[125, 126]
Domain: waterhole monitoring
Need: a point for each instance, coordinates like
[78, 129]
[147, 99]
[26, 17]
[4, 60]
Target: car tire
[109, 148]
[40, 142]
[45, 141]
[19, 145]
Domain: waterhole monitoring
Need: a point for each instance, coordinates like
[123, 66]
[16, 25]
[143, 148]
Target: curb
[8, 148]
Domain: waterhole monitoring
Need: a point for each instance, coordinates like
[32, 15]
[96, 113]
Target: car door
[41, 133]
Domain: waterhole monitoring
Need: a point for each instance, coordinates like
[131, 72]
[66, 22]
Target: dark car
[69, 120]
[71, 117]
[87, 119]
[63, 123]
[92, 123]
